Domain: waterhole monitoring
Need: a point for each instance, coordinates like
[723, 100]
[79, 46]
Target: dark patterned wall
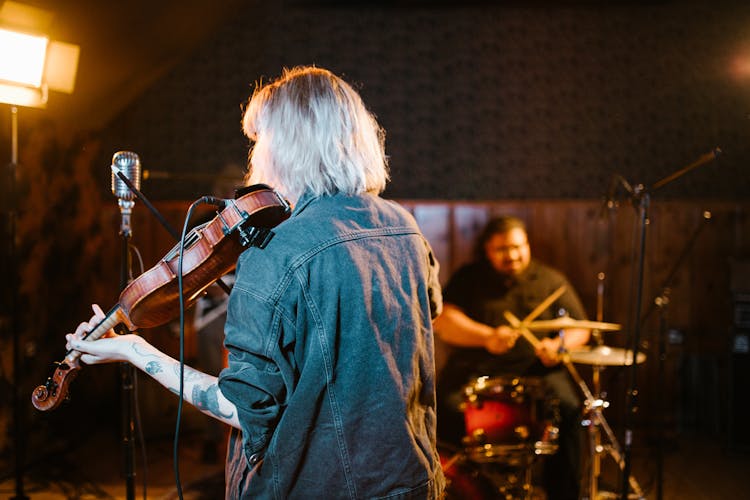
[481, 101]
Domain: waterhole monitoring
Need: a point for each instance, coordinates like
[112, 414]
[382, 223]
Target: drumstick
[521, 327]
[564, 357]
[544, 305]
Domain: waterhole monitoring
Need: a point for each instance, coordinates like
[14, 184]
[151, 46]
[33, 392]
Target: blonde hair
[318, 134]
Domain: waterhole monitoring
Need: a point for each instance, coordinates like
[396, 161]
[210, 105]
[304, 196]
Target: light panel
[21, 95]
[22, 58]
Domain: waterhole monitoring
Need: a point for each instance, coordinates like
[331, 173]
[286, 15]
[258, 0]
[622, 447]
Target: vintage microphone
[120, 179]
[129, 165]
[126, 164]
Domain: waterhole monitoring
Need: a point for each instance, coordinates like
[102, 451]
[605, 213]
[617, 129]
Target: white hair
[314, 133]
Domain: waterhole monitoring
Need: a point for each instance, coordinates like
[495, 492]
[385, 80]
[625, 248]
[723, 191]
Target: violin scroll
[54, 391]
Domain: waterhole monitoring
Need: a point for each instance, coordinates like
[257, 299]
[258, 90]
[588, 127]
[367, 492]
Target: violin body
[152, 299]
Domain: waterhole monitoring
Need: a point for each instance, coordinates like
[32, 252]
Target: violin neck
[114, 317]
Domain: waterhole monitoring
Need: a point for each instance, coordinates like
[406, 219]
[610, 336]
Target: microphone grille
[129, 164]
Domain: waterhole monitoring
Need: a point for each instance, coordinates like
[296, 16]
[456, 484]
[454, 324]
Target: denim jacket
[331, 357]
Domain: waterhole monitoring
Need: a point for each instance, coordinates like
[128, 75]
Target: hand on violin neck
[109, 349]
[93, 351]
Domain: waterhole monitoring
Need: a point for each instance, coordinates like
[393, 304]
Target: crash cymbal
[568, 322]
[604, 356]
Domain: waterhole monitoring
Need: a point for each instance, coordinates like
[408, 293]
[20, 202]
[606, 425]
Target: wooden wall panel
[582, 240]
[434, 221]
[468, 221]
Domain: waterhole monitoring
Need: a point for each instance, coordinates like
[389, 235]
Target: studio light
[23, 57]
[31, 65]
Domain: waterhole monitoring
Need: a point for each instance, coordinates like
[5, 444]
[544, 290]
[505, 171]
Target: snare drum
[509, 420]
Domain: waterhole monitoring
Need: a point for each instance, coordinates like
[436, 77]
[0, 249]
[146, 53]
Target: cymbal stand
[592, 405]
[595, 421]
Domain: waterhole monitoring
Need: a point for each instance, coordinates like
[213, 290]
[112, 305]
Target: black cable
[206, 199]
[175, 450]
[203, 200]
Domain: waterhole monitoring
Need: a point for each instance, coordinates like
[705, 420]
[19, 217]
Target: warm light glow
[22, 58]
[20, 95]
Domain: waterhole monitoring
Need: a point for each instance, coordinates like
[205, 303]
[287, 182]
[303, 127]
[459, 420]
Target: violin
[152, 299]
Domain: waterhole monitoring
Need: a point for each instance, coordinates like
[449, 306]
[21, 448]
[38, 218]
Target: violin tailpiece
[255, 236]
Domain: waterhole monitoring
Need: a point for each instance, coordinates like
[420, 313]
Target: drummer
[503, 278]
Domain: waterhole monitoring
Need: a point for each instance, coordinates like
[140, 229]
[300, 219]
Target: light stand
[31, 66]
[19, 431]
[641, 198]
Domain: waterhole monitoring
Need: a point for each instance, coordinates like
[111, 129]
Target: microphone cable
[175, 449]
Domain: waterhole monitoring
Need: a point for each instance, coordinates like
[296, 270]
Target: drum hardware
[501, 424]
[594, 421]
[509, 422]
[467, 479]
[464, 479]
[593, 417]
[506, 429]
[479, 436]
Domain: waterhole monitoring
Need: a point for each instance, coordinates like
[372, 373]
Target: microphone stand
[662, 302]
[641, 199]
[127, 372]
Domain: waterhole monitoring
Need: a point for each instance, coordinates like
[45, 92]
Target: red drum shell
[508, 417]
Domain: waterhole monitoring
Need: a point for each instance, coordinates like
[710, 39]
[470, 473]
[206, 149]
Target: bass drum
[464, 480]
[509, 420]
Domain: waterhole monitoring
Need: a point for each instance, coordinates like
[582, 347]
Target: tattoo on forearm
[144, 354]
[204, 399]
[208, 400]
[153, 367]
[190, 374]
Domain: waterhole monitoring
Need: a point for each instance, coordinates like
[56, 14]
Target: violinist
[329, 388]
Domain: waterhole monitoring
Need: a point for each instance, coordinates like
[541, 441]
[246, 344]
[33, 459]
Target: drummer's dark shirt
[484, 294]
